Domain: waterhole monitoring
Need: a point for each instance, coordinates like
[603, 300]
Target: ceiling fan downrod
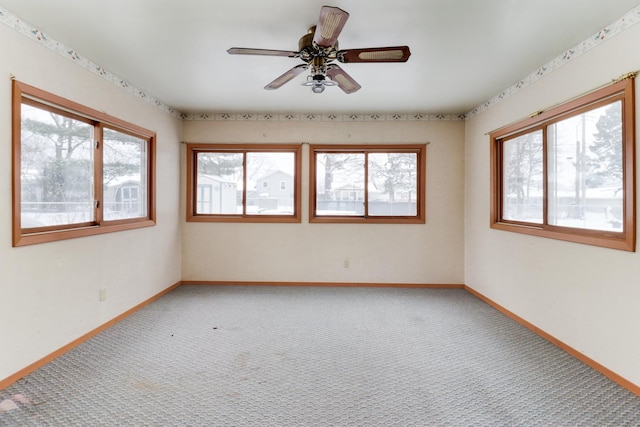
[318, 48]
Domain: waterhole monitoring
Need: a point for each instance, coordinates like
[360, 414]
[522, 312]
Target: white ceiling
[463, 51]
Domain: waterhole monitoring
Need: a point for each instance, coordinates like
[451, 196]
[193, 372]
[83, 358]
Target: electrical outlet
[347, 263]
[103, 294]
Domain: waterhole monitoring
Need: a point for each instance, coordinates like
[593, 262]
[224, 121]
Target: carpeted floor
[287, 356]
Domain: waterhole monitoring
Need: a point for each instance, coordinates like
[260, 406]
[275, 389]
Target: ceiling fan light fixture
[318, 82]
[317, 88]
[318, 49]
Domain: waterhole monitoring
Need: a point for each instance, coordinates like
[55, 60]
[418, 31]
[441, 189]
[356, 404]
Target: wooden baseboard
[26, 371]
[634, 388]
[325, 284]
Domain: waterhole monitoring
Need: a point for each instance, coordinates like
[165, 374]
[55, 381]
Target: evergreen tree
[220, 164]
[606, 161]
[397, 173]
[51, 145]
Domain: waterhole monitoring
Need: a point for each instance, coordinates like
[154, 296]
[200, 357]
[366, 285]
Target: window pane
[585, 170]
[219, 183]
[56, 176]
[270, 183]
[339, 184]
[124, 176]
[393, 184]
[522, 178]
[589, 172]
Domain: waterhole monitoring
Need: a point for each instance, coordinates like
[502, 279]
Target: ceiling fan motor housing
[309, 51]
[306, 41]
[318, 48]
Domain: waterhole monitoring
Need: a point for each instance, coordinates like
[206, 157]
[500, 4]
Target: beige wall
[49, 292]
[414, 253]
[585, 296]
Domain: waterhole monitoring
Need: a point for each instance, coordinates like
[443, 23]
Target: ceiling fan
[319, 49]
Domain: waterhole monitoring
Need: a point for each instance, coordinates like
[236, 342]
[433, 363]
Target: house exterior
[272, 192]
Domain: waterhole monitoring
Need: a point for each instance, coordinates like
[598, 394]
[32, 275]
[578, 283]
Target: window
[243, 183]
[568, 173]
[367, 183]
[76, 171]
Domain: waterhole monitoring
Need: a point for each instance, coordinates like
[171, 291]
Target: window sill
[245, 219]
[25, 239]
[363, 220]
[619, 241]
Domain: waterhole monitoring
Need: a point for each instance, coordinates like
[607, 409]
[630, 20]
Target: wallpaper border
[630, 18]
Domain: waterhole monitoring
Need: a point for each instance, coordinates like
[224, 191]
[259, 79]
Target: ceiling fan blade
[265, 52]
[330, 24]
[375, 54]
[286, 76]
[344, 80]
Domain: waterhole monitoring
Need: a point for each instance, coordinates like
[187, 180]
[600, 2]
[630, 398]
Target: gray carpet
[284, 356]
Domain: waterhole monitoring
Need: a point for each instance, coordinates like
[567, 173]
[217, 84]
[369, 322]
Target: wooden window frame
[622, 90]
[24, 93]
[419, 149]
[191, 169]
